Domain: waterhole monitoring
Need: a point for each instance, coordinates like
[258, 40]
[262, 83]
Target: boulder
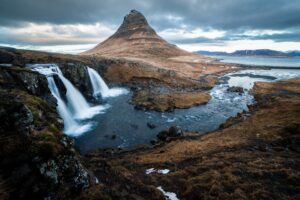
[174, 131]
[236, 89]
[151, 125]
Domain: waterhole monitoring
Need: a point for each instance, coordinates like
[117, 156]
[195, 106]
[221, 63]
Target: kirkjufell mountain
[136, 40]
[136, 37]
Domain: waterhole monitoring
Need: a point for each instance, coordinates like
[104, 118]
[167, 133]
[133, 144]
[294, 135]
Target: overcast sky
[72, 26]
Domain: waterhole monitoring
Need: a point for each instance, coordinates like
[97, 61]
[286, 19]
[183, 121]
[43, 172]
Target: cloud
[190, 22]
[218, 14]
[51, 34]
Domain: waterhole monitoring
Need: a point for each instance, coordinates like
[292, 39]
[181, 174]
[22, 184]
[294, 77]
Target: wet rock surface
[78, 75]
[239, 90]
[36, 159]
[173, 132]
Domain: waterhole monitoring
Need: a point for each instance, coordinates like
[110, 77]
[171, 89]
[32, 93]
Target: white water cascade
[76, 107]
[100, 88]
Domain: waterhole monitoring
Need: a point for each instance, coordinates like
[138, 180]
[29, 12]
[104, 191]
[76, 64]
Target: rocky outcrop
[77, 73]
[36, 159]
[163, 102]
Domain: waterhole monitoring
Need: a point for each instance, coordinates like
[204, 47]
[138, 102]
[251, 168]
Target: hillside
[257, 52]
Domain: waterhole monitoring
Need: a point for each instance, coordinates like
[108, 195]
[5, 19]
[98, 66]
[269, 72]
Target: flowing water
[125, 127]
[100, 89]
[76, 108]
[118, 124]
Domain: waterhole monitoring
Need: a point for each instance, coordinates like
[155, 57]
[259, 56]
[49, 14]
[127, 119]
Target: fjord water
[261, 61]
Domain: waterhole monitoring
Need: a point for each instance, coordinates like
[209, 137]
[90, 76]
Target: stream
[123, 126]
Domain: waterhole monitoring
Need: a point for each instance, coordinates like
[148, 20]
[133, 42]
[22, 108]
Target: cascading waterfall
[76, 108]
[62, 108]
[100, 88]
[76, 102]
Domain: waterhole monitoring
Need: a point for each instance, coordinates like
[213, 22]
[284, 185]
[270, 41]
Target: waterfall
[76, 107]
[76, 102]
[100, 88]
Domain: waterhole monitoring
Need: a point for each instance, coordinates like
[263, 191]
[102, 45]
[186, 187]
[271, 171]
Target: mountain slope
[257, 52]
[136, 37]
[136, 41]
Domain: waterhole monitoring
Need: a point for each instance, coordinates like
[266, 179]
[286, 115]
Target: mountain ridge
[256, 52]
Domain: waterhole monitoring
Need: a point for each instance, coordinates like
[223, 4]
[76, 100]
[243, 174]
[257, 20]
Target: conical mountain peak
[134, 22]
[136, 38]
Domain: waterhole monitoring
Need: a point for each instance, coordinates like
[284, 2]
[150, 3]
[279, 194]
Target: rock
[174, 131]
[236, 89]
[163, 102]
[151, 125]
[16, 117]
[77, 73]
[163, 135]
[23, 120]
[61, 87]
[49, 169]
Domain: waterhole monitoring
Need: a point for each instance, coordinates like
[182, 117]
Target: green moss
[52, 128]
[48, 137]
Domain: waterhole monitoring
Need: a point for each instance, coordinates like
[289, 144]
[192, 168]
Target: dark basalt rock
[16, 118]
[77, 73]
[174, 131]
[61, 87]
[236, 89]
[151, 125]
[25, 79]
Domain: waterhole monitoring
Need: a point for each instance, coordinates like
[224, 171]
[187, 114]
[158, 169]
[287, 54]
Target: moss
[53, 128]
[41, 111]
[48, 137]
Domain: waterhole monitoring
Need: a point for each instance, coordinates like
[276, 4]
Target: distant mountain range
[258, 52]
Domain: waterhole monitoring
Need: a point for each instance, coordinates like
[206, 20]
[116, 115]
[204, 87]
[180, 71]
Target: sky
[73, 26]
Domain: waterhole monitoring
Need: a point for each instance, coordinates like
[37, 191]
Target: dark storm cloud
[224, 15]
[221, 14]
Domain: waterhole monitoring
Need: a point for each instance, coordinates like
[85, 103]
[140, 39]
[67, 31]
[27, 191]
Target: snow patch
[159, 171]
[168, 195]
